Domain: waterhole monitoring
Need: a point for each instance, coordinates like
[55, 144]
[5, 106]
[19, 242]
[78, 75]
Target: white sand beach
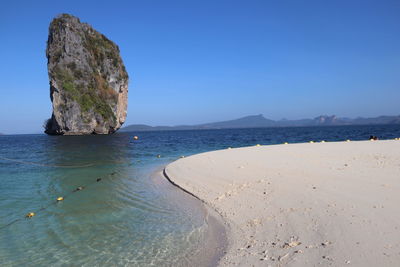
[311, 204]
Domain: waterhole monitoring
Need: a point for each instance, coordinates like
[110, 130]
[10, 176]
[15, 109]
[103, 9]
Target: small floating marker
[348, 140]
[30, 215]
[311, 142]
[182, 157]
[79, 188]
[60, 199]
[258, 145]
[229, 148]
[322, 141]
[135, 138]
[98, 179]
[158, 156]
[285, 143]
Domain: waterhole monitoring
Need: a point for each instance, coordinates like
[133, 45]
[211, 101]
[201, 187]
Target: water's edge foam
[216, 241]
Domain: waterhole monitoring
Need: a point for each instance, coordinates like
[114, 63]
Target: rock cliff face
[88, 80]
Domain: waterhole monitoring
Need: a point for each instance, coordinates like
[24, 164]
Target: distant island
[259, 121]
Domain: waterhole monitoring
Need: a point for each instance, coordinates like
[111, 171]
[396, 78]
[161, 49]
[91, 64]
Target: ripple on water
[123, 219]
[127, 218]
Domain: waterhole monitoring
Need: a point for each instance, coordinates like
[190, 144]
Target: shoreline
[211, 250]
[304, 204]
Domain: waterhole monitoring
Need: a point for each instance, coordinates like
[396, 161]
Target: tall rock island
[88, 80]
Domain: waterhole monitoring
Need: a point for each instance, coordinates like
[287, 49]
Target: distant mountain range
[259, 121]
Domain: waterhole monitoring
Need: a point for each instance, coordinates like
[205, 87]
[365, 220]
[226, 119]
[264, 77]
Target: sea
[117, 209]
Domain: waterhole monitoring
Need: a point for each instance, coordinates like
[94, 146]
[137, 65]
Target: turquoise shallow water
[126, 218]
[130, 217]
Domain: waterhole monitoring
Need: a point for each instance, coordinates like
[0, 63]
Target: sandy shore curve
[311, 204]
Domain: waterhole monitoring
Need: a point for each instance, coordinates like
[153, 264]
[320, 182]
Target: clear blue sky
[200, 61]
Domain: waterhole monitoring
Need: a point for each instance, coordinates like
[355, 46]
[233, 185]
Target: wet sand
[327, 204]
[214, 242]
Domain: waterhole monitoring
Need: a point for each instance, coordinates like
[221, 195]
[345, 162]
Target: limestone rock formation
[88, 80]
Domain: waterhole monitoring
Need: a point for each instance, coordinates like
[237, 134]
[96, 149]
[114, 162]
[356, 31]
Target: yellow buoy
[322, 141]
[285, 143]
[229, 148]
[258, 145]
[311, 142]
[135, 138]
[348, 140]
[60, 199]
[30, 215]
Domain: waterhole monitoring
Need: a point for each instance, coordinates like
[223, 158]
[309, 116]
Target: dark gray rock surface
[88, 80]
